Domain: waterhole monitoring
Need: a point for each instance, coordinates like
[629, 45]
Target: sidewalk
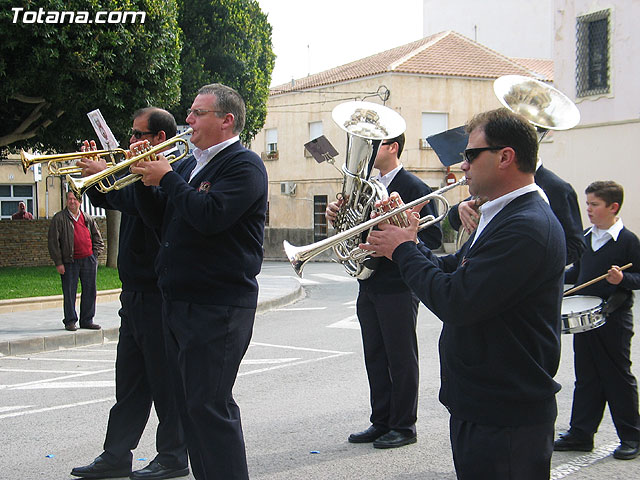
[34, 324]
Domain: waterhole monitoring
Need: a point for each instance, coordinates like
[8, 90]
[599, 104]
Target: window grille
[319, 220]
[592, 54]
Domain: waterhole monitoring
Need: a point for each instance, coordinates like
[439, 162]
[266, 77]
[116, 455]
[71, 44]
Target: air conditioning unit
[288, 188]
[424, 145]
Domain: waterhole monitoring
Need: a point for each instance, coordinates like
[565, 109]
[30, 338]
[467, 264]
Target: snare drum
[581, 313]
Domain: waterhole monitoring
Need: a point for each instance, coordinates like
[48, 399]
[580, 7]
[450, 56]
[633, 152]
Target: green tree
[52, 74]
[227, 41]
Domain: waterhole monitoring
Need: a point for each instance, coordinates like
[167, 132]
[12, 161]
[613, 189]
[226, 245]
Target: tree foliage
[53, 74]
[227, 41]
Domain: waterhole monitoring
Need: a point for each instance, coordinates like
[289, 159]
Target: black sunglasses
[138, 134]
[470, 154]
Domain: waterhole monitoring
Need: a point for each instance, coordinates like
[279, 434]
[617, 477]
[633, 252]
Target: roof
[447, 54]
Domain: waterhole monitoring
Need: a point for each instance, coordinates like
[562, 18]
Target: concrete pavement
[34, 324]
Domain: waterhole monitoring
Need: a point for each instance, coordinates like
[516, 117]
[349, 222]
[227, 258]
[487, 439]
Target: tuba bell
[367, 125]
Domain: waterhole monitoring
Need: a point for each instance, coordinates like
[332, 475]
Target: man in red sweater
[74, 245]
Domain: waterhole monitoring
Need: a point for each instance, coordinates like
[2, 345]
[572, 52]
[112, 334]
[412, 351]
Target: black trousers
[142, 378]
[388, 325]
[489, 452]
[602, 362]
[205, 345]
[86, 270]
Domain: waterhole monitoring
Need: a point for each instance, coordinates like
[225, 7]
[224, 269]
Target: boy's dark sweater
[626, 249]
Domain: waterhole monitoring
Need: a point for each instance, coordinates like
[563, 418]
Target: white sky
[309, 37]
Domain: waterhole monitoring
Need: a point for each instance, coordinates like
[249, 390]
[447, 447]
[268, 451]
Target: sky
[309, 37]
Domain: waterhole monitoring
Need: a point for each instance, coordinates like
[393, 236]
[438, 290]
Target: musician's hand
[152, 171]
[331, 213]
[469, 215]
[90, 164]
[614, 275]
[384, 241]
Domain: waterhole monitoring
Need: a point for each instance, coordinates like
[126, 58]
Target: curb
[80, 338]
[52, 301]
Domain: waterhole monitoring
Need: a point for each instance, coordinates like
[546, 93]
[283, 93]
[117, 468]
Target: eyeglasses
[387, 143]
[198, 112]
[138, 134]
[470, 154]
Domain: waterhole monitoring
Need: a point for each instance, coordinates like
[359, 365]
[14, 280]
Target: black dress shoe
[627, 450]
[156, 471]
[569, 442]
[91, 326]
[70, 326]
[394, 439]
[99, 468]
[368, 435]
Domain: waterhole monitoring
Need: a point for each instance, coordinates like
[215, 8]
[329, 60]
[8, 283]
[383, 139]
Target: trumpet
[299, 256]
[104, 183]
[54, 161]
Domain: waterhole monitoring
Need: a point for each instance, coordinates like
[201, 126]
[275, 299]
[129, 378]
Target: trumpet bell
[541, 104]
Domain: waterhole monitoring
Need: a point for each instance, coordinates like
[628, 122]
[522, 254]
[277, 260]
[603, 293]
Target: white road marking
[57, 407]
[301, 309]
[53, 359]
[312, 360]
[75, 375]
[290, 347]
[24, 370]
[350, 323]
[268, 361]
[334, 278]
[582, 461]
[61, 385]
[15, 407]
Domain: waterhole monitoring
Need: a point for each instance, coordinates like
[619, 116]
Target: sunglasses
[470, 154]
[138, 134]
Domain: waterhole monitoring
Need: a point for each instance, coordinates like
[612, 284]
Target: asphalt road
[302, 389]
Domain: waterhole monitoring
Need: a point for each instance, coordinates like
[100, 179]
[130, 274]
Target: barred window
[319, 220]
[592, 52]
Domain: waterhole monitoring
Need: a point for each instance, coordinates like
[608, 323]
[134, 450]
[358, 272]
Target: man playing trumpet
[499, 299]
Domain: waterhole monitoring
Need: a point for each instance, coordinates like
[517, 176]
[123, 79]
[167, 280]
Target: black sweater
[500, 304]
[593, 264]
[212, 229]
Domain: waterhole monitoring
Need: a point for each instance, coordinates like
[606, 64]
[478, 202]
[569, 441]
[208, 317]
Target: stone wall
[23, 243]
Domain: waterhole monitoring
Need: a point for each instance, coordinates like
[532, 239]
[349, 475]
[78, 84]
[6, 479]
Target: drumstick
[591, 282]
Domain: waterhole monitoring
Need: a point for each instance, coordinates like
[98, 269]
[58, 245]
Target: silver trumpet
[299, 256]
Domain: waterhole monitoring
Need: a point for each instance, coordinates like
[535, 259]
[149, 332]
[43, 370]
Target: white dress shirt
[204, 156]
[600, 237]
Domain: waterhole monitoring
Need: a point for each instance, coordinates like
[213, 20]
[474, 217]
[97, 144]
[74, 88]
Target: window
[319, 220]
[11, 195]
[433, 123]
[592, 54]
[266, 217]
[315, 130]
[271, 135]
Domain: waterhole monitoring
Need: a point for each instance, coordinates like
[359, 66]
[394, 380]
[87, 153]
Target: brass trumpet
[54, 161]
[104, 183]
[299, 256]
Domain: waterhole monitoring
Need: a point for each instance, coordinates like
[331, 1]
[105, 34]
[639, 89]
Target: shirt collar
[613, 231]
[203, 156]
[388, 178]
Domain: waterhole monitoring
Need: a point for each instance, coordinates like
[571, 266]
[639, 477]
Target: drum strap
[615, 301]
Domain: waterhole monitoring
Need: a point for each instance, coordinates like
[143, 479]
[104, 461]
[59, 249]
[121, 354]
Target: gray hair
[229, 101]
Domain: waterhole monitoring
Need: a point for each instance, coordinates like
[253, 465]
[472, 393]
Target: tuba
[545, 107]
[366, 124]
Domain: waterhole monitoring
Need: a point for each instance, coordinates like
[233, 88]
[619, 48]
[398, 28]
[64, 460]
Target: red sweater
[82, 246]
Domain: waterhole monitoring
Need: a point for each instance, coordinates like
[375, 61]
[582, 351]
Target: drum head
[579, 304]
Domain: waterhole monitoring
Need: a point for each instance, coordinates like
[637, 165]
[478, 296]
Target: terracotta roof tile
[443, 54]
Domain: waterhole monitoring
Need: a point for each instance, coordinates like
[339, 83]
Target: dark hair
[158, 120]
[229, 101]
[399, 140]
[504, 127]
[607, 190]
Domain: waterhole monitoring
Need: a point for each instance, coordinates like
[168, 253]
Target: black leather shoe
[70, 326]
[368, 435]
[99, 468]
[395, 439]
[156, 471]
[627, 450]
[569, 442]
[91, 326]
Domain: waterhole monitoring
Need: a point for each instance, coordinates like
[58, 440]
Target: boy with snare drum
[602, 356]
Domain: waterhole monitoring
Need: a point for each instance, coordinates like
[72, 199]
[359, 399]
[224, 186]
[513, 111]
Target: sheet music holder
[321, 149]
[449, 145]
